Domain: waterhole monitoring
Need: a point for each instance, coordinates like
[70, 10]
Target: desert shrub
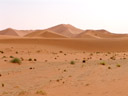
[102, 63]
[118, 65]
[84, 61]
[41, 92]
[72, 62]
[11, 57]
[30, 59]
[35, 59]
[61, 51]
[16, 60]
[113, 58]
[2, 84]
[2, 52]
[22, 93]
[4, 57]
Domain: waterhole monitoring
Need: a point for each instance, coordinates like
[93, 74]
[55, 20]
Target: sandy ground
[57, 67]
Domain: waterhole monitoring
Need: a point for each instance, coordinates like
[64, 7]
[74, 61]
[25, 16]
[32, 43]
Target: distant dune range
[68, 37]
[66, 30]
[62, 30]
[14, 32]
[99, 34]
[44, 33]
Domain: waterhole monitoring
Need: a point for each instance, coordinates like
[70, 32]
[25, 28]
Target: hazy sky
[111, 15]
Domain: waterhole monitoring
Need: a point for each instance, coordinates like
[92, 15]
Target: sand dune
[14, 32]
[89, 45]
[99, 34]
[9, 31]
[65, 29]
[44, 33]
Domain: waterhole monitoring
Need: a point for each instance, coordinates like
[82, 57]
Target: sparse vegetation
[100, 59]
[61, 51]
[2, 84]
[57, 80]
[97, 52]
[41, 92]
[109, 67]
[72, 62]
[113, 58]
[22, 93]
[4, 57]
[16, 60]
[30, 59]
[118, 65]
[65, 54]
[35, 59]
[102, 63]
[16, 52]
[1, 52]
[11, 57]
[84, 61]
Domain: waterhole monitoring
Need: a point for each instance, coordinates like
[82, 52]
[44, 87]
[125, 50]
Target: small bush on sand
[118, 65]
[113, 58]
[72, 62]
[1, 52]
[35, 59]
[2, 84]
[102, 63]
[11, 57]
[16, 60]
[109, 67]
[22, 93]
[84, 61]
[30, 59]
[41, 92]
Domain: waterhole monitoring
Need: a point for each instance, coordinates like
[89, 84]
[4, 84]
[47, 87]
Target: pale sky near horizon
[111, 15]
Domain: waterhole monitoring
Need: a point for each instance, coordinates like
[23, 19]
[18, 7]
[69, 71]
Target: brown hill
[44, 33]
[65, 29]
[9, 31]
[99, 34]
[14, 32]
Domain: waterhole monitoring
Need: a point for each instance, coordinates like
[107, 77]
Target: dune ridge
[45, 34]
[14, 32]
[99, 34]
[65, 29]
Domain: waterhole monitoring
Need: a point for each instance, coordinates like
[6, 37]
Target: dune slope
[44, 33]
[76, 44]
[65, 29]
[99, 34]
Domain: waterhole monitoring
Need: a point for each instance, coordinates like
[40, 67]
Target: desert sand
[14, 32]
[54, 65]
[45, 34]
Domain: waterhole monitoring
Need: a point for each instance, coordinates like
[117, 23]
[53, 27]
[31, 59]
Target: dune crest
[14, 32]
[99, 34]
[65, 29]
[44, 33]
